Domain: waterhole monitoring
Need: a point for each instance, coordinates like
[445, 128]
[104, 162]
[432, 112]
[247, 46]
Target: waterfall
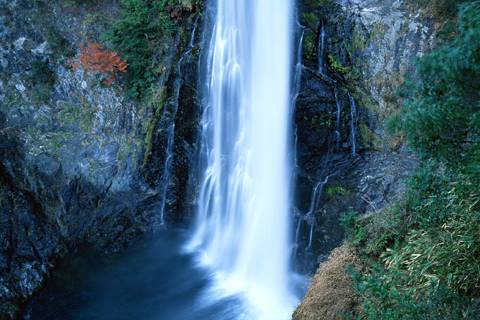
[353, 124]
[338, 135]
[321, 49]
[242, 229]
[310, 216]
[170, 112]
[298, 69]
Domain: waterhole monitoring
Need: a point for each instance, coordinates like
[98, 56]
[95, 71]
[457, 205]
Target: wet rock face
[60, 112]
[324, 139]
[355, 57]
[394, 36]
[72, 148]
[168, 168]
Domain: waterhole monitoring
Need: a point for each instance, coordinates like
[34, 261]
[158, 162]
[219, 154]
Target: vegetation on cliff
[423, 255]
[141, 34]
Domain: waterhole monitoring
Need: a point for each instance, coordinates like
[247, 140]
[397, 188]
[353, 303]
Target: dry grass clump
[331, 293]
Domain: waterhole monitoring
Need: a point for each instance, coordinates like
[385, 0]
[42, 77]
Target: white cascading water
[243, 220]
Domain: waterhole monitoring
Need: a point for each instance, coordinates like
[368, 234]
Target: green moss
[13, 99]
[311, 20]
[128, 149]
[439, 9]
[320, 122]
[337, 66]
[378, 31]
[309, 47]
[350, 48]
[69, 3]
[335, 191]
[156, 101]
[51, 142]
[359, 41]
[81, 116]
[58, 139]
[42, 80]
[368, 138]
[87, 119]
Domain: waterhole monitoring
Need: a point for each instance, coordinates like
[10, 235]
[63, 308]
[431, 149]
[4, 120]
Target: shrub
[138, 35]
[334, 191]
[337, 66]
[442, 115]
[427, 249]
[388, 295]
[94, 58]
[439, 8]
[444, 242]
[373, 234]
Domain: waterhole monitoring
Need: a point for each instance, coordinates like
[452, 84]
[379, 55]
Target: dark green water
[153, 280]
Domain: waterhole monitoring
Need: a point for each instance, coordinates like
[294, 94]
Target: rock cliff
[357, 54]
[77, 157]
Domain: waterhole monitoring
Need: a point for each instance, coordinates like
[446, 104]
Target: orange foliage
[95, 58]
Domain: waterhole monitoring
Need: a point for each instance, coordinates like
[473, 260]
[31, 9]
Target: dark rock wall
[348, 89]
[174, 139]
[370, 49]
[324, 139]
[77, 167]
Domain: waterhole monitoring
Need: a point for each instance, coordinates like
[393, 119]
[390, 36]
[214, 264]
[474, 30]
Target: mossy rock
[369, 139]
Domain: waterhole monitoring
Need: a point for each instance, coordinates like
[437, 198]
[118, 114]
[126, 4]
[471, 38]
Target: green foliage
[349, 70]
[309, 45]
[337, 66]
[318, 3]
[427, 248]
[137, 36]
[334, 191]
[73, 116]
[356, 233]
[311, 19]
[156, 98]
[388, 295]
[373, 234]
[59, 44]
[442, 114]
[369, 138]
[76, 3]
[439, 8]
[444, 244]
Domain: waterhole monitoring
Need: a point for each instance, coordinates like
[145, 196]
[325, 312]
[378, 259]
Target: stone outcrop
[73, 170]
[356, 57]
